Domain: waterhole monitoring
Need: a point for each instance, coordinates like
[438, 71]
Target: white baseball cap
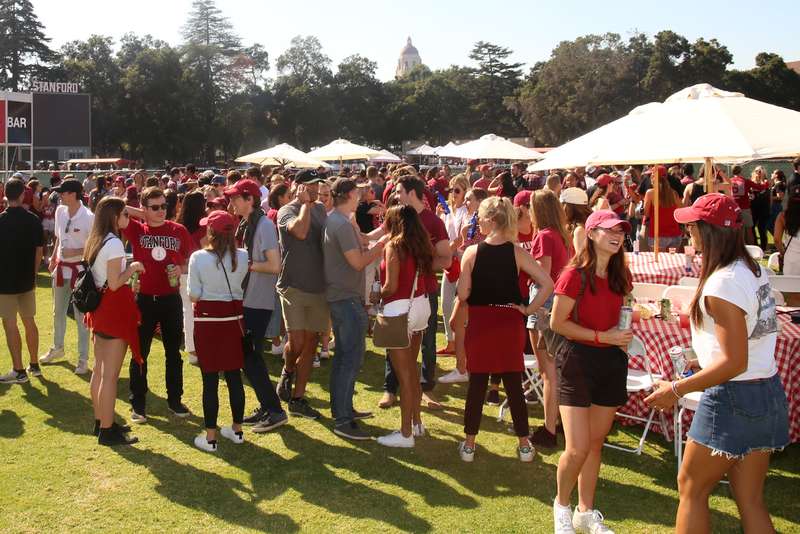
[574, 195]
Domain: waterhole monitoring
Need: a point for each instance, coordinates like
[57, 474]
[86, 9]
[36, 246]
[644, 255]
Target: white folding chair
[641, 381]
[689, 281]
[780, 300]
[642, 290]
[531, 383]
[755, 251]
[689, 402]
[785, 283]
[774, 262]
[682, 294]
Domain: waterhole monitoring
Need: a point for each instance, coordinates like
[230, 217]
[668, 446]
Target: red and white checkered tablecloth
[669, 269]
[659, 336]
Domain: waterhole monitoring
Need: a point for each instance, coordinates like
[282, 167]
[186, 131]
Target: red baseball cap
[523, 198]
[486, 167]
[472, 162]
[220, 221]
[604, 179]
[606, 219]
[713, 208]
[243, 187]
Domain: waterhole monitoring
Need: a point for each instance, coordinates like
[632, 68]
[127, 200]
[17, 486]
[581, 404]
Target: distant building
[409, 58]
[794, 65]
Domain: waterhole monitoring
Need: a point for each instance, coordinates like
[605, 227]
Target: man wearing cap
[73, 223]
[486, 177]
[164, 248]
[301, 286]
[344, 275]
[22, 241]
[259, 236]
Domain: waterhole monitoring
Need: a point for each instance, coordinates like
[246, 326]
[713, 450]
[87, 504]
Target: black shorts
[591, 375]
[101, 335]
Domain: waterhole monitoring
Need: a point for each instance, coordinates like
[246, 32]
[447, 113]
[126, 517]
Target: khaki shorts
[304, 311]
[23, 304]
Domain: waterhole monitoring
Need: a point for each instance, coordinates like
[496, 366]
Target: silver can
[678, 358]
[625, 318]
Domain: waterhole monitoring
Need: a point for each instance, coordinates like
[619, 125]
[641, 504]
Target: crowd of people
[227, 265]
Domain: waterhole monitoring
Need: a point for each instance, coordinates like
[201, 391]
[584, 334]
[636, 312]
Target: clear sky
[442, 30]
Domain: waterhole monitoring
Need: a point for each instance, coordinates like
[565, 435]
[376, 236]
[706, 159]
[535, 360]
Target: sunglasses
[157, 207]
[456, 190]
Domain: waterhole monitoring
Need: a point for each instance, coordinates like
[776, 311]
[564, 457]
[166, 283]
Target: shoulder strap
[106, 240]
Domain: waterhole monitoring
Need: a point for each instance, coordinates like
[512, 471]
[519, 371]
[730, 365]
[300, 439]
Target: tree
[360, 100]
[495, 80]
[23, 46]
[305, 61]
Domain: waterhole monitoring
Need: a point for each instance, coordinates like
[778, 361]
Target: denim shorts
[737, 418]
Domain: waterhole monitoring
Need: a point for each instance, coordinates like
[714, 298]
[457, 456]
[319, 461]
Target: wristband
[674, 386]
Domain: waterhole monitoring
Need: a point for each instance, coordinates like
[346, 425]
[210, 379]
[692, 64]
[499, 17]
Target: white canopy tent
[282, 154]
[422, 150]
[447, 147]
[386, 157]
[698, 124]
[490, 146]
[342, 149]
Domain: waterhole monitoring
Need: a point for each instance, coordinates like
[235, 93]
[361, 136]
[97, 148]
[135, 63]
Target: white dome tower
[409, 58]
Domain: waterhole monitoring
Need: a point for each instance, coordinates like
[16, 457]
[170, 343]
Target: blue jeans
[428, 378]
[61, 296]
[349, 319]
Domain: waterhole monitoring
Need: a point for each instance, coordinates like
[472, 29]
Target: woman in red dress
[114, 324]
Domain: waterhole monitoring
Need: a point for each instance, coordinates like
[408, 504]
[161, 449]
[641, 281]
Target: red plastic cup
[636, 317]
[684, 320]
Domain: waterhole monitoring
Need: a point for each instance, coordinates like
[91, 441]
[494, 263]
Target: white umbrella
[490, 146]
[693, 125]
[342, 149]
[422, 150]
[386, 157]
[448, 146]
[282, 154]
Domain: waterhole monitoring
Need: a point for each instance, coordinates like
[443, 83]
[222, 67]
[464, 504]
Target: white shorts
[417, 317]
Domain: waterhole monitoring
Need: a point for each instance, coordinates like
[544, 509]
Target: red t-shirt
[481, 183]
[438, 232]
[741, 188]
[596, 311]
[548, 242]
[156, 248]
[524, 279]
[272, 215]
[408, 267]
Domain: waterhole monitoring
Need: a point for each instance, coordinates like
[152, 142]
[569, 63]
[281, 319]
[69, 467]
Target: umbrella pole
[656, 178]
[708, 174]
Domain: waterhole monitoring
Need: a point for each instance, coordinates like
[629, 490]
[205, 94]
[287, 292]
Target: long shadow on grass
[68, 410]
[196, 489]
[313, 473]
[11, 425]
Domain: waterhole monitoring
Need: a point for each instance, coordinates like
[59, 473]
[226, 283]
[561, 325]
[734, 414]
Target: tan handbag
[392, 332]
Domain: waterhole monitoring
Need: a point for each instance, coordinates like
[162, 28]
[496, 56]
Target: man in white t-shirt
[73, 222]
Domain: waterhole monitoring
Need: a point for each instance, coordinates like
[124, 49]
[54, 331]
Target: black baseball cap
[70, 186]
[308, 176]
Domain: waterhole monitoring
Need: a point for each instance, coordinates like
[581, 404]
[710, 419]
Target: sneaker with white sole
[34, 370]
[193, 359]
[82, 368]
[324, 355]
[526, 453]
[277, 350]
[454, 377]
[229, 433]
[397, 439]
[138, 418]
[14, 377]
[467, 453]
[202, 443]
[562, 519]
[52, 355]
[270, 421]
[590, 522]
[418, 430]
[316, 362]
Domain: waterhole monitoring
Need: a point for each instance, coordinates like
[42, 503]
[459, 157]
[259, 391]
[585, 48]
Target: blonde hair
[459, 180]
[501, 212]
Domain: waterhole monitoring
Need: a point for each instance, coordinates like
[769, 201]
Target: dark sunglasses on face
[456, 191]
[157, 207]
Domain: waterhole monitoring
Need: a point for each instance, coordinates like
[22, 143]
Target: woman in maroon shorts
[115, 323]
[592, 366]
[490, 332]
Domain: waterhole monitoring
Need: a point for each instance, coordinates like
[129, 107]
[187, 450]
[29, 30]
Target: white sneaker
[277, 350]
[14, 377]
[526, 453]
[454, 377]
[52, 355]
[193, 359]
[590, 522]
[137, 418]
[204, 445]
[324, 355]
[82, 368]
[397, 439]
[418, 431]
[34, 371]
[316, 363]
[229, 433]
[562, 519]
[467, 453]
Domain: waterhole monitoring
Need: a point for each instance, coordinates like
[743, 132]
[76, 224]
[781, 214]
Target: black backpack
[85, 296]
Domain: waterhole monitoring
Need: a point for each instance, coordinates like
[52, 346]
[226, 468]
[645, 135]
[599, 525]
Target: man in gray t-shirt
[260, 292]
[301, 286]
[344, 273]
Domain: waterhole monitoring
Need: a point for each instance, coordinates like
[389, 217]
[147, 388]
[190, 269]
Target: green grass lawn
[55, 478]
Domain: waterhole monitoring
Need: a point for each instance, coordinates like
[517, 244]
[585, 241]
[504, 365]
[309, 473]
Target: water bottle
[473, 226]
[443, 203]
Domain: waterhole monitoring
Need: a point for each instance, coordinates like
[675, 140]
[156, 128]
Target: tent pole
[708, 174]
[655, 180]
